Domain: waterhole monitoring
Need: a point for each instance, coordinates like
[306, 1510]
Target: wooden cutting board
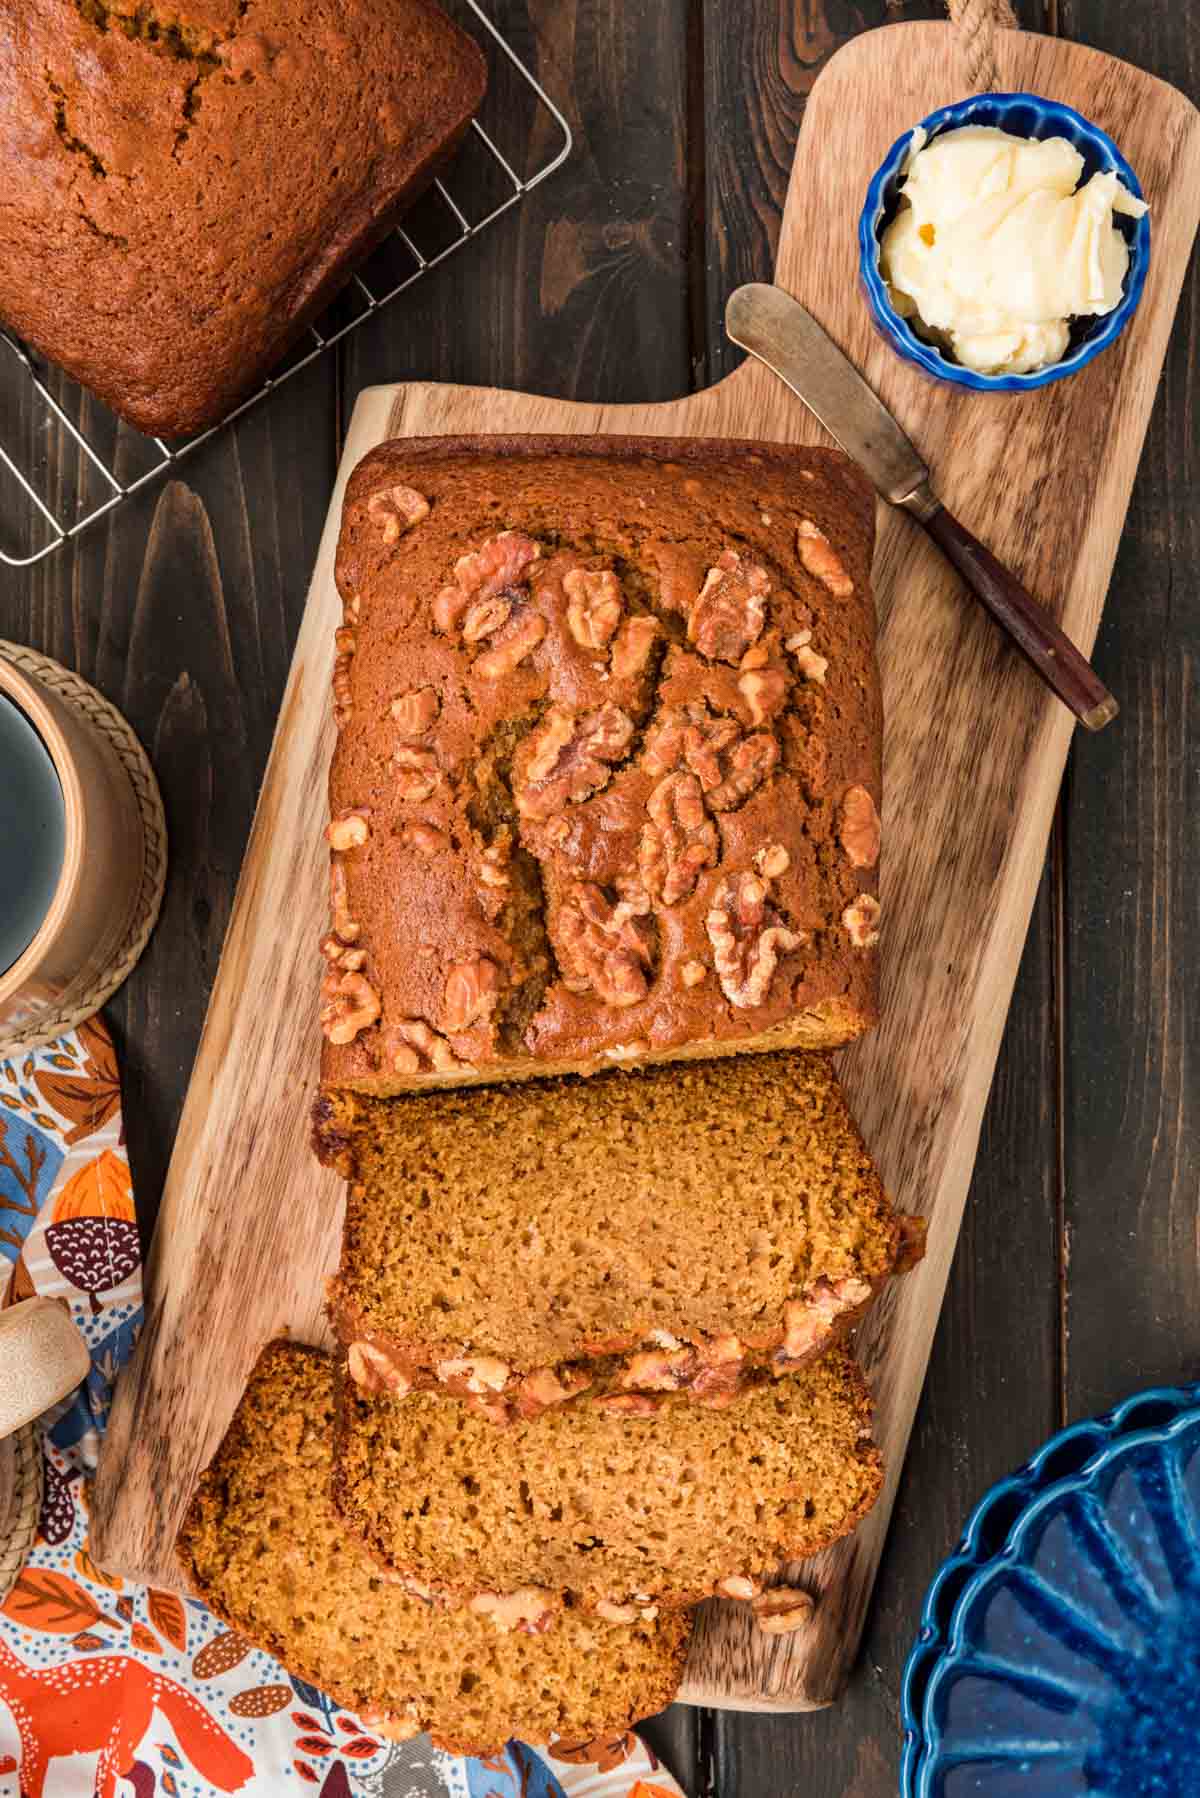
[974, 753]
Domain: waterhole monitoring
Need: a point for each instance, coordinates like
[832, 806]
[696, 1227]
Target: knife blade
[781, 333]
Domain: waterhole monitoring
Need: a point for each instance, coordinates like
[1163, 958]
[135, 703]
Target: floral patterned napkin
[125, 1691]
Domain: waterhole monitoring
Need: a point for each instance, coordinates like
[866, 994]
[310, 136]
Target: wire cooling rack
[66, 462]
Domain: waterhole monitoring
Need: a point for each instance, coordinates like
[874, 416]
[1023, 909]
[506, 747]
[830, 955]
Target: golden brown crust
[603, 776]
[185, 189]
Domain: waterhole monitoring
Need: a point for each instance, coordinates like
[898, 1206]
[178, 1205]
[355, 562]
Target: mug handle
[43, 1357]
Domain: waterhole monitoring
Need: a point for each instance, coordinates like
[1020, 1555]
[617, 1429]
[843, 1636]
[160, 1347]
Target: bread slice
[694, 1228]
[625, 1503]
[263, 1547]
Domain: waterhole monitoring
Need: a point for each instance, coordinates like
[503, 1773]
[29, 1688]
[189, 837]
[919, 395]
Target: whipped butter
[996, 247]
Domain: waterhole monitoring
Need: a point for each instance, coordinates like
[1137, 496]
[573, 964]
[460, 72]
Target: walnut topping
[480, 1373]
[346, 928]
[820, 558]
[772, 861]
[747, 939]
[692, 973]
[728, 765]
[394, 510]
[417, 773]
[594, 606]
[530, 1609]
[486, 617]
[416, 1034]
[568, 758]
[349, 829]
[510, 651]
[730, 609]
[739, 1585]
[373, 1370]
[659, 1370]
[629, 1404]
[416, 712]
[391, 1726]
[758, 657]
[679, 840]
[345, 641]
[496, 567]
[807, 1321]
[722, 1362]
[859, 829]
[861, 921]
[351, 1005]
[781, 1610]
[472, 993]
[424, 837]
[764, 691]
[604, 946]
[812, 666]
[545, 1387]
[693, 737]
[749, 765]
[616, 1613]
[631, 651]
[351, 960]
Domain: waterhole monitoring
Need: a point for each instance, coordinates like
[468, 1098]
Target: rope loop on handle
[978, 21]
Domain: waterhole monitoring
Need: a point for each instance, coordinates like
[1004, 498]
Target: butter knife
[780, 332]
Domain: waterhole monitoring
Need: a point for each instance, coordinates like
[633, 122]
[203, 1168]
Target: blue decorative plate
[1059, 1649]
[1025, 115]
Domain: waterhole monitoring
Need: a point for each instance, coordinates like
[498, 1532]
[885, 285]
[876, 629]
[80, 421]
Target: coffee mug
[42, 1358]
[71, 852]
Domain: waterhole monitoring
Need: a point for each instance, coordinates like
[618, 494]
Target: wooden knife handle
[1050, 652]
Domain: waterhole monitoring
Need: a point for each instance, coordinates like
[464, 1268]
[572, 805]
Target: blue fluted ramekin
[1059, 1649]
[1024, 115]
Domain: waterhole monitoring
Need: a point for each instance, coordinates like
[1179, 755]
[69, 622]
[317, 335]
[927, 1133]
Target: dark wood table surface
[1076, 1279]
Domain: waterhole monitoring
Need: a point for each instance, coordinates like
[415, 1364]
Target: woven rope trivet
[76, 693]
[978, 21]
[19, 1528]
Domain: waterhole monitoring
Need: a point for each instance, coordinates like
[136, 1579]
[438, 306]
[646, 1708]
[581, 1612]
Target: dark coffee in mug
[32, 832]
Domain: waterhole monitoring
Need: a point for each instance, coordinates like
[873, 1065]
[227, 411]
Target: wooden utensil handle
[42, 1358]
[1050, 652]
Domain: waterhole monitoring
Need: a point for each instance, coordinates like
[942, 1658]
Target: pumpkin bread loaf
[263, 1547]
[186, 187]
[692, 1229]
[625, 1504]
[607, 778]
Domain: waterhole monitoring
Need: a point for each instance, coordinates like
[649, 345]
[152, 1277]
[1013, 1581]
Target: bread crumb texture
[613, 1506]
[607, 781]
[265, 1550]
[664, 1229]
[184, 189]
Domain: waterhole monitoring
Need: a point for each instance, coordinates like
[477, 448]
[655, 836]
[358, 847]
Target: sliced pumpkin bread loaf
[625, 1503]
[691, 1229]
[264, 1548]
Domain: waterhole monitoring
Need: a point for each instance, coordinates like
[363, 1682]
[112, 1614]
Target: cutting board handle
[978, 21]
